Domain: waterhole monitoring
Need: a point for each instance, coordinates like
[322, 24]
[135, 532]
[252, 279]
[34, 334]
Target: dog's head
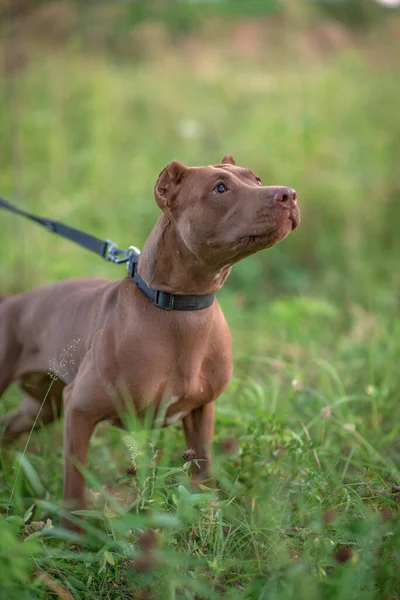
[223, 212]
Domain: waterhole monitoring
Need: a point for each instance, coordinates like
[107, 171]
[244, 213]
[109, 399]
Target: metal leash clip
[117, 255]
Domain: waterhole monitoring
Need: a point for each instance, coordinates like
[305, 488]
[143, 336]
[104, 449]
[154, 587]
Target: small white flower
[189, 129]
[391, 3]
[349, 427]
[297, 385]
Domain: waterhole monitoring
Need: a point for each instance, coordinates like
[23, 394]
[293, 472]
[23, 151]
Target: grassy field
[307, 443]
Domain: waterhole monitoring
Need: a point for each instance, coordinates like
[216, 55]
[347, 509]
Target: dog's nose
[285, 195]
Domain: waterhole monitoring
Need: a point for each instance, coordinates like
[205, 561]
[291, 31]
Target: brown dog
[107, 341]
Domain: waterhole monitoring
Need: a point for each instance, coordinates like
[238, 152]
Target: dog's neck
[167, 264]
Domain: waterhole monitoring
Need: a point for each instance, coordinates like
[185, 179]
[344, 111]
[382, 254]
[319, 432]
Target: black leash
[109, 251]
[83, 239]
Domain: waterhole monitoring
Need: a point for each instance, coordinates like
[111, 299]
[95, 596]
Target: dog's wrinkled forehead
[229, 165]
[203, 177]
[241, 172]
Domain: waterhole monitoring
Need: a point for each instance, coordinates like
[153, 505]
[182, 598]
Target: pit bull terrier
[104, 347]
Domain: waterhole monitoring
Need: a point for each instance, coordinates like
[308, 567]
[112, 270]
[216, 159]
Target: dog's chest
[172, 365]
[177, 407]
[175, 410]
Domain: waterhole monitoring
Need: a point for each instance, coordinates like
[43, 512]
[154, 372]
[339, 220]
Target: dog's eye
[221, 188]
[258, 180]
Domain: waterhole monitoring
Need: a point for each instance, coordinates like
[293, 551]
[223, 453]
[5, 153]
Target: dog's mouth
[295, 221]
[294, 217]
[253, 242]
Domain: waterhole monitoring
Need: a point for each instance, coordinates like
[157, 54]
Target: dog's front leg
[79, 426]
[199, 433]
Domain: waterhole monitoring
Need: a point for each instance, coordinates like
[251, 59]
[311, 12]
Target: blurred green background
[96, 98]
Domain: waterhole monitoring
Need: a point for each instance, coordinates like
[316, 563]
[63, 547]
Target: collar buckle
[164, 300]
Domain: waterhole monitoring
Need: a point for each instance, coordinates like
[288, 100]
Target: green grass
[307, 439]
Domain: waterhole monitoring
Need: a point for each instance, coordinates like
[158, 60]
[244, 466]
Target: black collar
[164, 299]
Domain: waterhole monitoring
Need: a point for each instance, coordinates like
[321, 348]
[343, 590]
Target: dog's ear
[228, 160]
[167, 183]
